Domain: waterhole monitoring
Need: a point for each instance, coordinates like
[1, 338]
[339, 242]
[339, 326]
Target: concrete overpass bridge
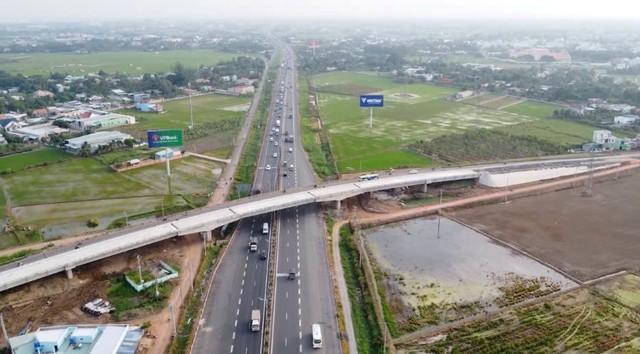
[207, 219]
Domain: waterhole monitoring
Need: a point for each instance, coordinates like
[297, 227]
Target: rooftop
[80, 339]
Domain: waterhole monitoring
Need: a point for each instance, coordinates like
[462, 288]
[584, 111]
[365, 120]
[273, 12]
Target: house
[139, 97]
[225, 78]
[463, 94]
[603, 137]
[9, 124]
[624, 120]
[36, 132]
[150, 107]
[242, 90]
[40, 113]
[42, 94]
[80, 96]
[119, 92]
[243, 81]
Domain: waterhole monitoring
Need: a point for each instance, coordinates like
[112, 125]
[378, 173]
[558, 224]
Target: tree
[85, 149]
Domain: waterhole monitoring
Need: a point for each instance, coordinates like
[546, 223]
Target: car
[263, 254]
[284, 174]
[292, 273]
[276, 143]
[268, 167]
[271, 139]
[290, 149]
[275, 154]
[413, 172]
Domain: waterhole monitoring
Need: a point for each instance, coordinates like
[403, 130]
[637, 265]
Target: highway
[240, 284]
[298, 303]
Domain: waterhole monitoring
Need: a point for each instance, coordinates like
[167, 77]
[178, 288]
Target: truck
[255, 321]
[253, 244]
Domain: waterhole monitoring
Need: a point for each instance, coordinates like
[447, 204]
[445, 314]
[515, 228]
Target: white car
[268, 168]
[290, 149]
[413, 172]
[276, 143]
[271, 139]
[275, 154]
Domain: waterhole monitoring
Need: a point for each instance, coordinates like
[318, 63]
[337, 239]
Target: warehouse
[94, 140]
[109, 120]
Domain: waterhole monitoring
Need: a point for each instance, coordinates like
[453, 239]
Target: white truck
[253, 244]
[255, 321]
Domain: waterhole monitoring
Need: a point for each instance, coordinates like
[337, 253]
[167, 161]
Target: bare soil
[28, 304]
[587, 237]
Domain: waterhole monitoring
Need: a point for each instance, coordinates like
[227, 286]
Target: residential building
[103, 121]
[43, 93]
[242, 90]
[463, 94]
[84, 339]
[94, 140]
[603, 137]
[40, 113]
[9, 124]
[243, 81]
[119, 92]
[150, 107]
[624, 120]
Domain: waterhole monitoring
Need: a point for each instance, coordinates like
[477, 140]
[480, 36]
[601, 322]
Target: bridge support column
[69, 272]
[338, 205]
[206, 235]
[424, 188]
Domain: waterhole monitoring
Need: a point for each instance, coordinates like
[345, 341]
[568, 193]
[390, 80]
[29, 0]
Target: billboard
[164, 138]
[368, 101]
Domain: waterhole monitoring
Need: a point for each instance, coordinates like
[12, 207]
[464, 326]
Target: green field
[533, 109]
[207, 108]
[419, 112]
[554, 130]
[19, 162]
[129, 62]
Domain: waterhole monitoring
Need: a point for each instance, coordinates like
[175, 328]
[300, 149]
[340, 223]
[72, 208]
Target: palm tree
[85, 149]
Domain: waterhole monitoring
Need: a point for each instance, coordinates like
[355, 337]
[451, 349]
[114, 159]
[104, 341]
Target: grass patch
[553, 130]
[314, 139]
[533, 109]
[130, 62]
[207, 110]
[16, 256]
[358, 81]
[221, 153]
[32, 159]
[127, 300]
[368, 336]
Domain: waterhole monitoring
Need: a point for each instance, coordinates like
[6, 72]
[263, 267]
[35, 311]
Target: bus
[369, 177]
[316, 336]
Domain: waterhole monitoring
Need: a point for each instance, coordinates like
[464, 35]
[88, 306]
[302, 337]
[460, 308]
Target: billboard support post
[371, 101]
[166, 155]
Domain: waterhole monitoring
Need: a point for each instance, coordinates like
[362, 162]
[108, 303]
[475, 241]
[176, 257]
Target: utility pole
[4, 333]
[139, 269]
[173, 320]
[439, 213]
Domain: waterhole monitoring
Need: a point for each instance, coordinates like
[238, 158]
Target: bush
[93, 222]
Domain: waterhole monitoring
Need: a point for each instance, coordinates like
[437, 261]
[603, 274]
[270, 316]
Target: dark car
[263, 254]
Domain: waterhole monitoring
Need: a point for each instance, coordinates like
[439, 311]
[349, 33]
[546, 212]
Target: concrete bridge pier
[69, 272]
[424, 188]
[206, 235]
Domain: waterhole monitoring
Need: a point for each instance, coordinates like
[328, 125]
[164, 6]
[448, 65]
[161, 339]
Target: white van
[316, 336]
[265, 228]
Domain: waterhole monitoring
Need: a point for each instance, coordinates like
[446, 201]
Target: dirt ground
[28, 304]
[587, 237]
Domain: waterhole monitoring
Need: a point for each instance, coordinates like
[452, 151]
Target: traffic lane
[218, 319]
[287, 312]
[316, 283]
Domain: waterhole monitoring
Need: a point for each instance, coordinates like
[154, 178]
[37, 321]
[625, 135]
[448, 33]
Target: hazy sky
[251, 9]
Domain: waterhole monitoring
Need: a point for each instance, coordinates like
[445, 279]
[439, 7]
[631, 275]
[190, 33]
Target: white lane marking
[254, 283]
[300, 347]
[241, 291]
[299, 309]
[247, 259]
[237, 312]
[286, 294]
[298, 291]
[231, 351]
[286, 315]
[300, 325]
[298, 265]
[242, 282]
[236, 323]
[285, 341]
[300, 333]
[287, 243]
[239, 301]
[233, 336]
[298, 282]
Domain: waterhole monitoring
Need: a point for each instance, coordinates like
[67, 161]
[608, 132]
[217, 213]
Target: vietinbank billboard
[164, 138]
[368, 101]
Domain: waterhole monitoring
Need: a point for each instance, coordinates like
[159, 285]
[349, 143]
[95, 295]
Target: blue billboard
[371, 101]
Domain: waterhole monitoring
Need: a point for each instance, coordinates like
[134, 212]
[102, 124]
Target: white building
[103, 121]
[94, 140]
[603, 137]
[463, 94]
[36, 132]
[623, 120]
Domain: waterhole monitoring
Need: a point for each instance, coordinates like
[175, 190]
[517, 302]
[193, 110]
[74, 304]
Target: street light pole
[439, 213]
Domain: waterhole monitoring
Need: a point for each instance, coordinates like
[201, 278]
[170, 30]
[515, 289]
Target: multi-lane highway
[240, 285]
[298, 303]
